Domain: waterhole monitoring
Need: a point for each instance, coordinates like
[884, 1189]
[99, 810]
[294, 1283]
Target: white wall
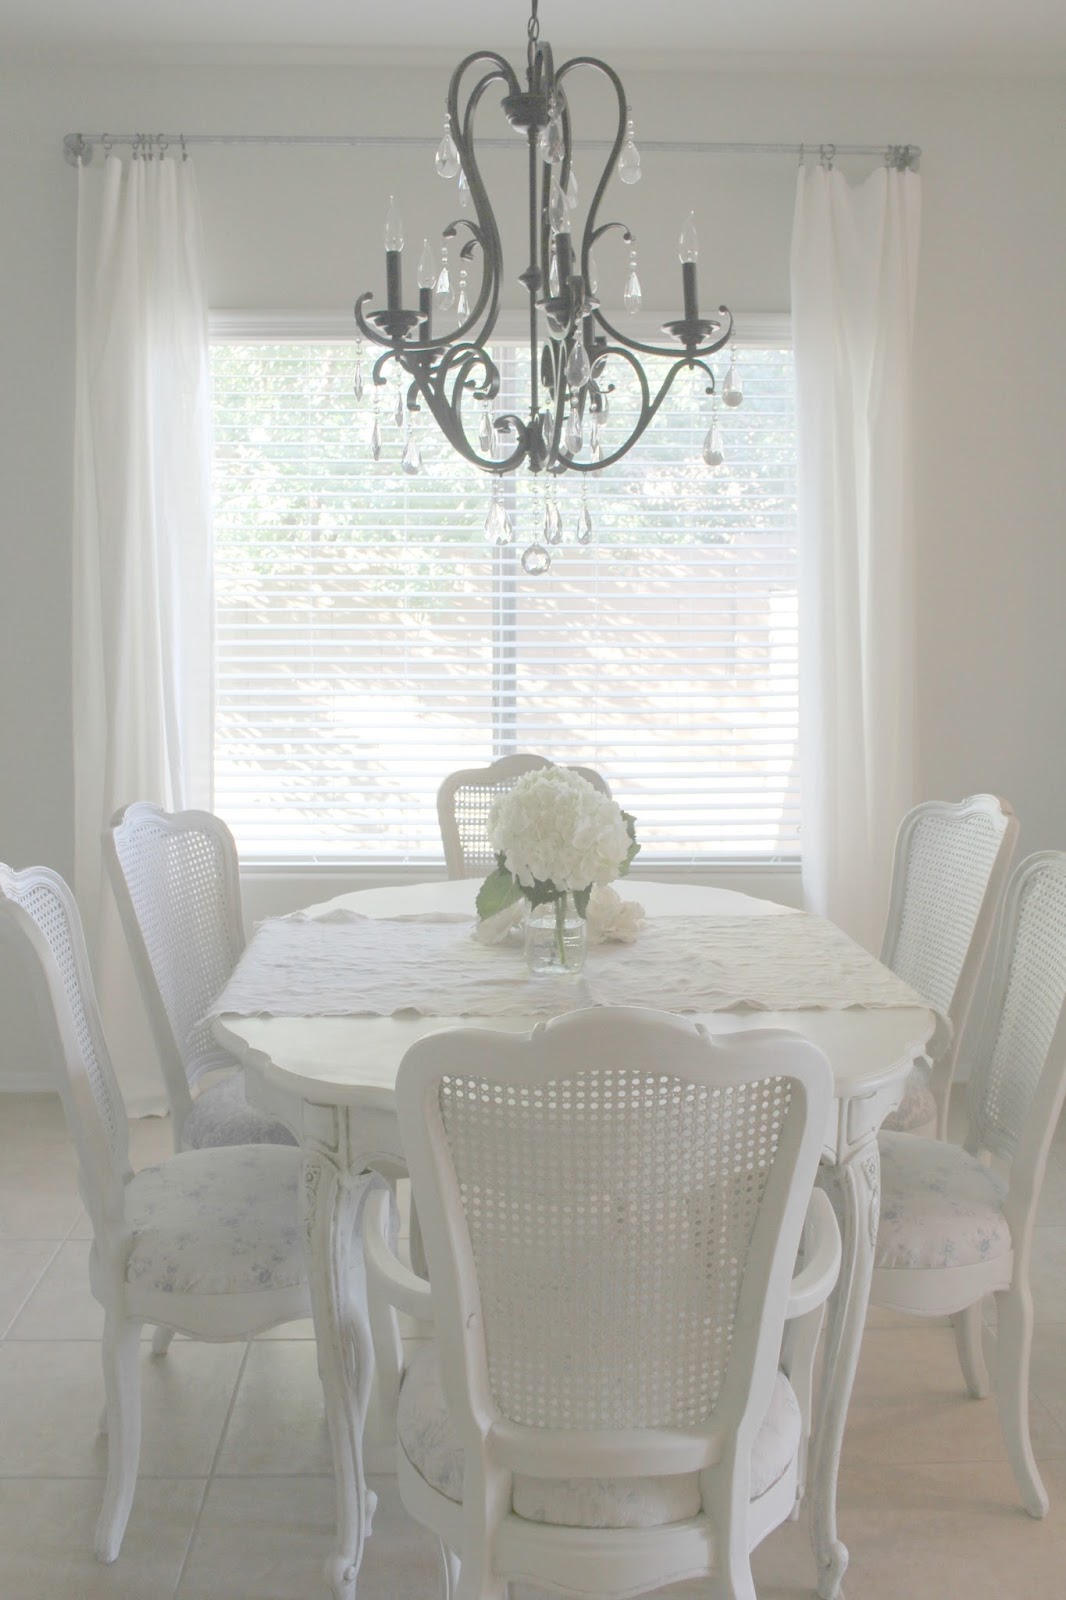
[300, 228]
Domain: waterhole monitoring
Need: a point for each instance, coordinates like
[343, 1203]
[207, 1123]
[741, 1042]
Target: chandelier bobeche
[571, 341]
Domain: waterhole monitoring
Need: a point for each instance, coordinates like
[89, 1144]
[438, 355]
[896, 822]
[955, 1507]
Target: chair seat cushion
[430, 1444]
[918, 1107]
[220, 1221]
[940, 1207]
[221, 1115]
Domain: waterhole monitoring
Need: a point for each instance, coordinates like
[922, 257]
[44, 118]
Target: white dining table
[331, 1079]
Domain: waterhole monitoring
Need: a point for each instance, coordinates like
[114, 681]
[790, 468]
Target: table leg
[332, 1201]
[855, 1187]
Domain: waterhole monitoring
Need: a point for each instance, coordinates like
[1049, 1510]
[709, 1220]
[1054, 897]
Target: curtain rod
[78, 147]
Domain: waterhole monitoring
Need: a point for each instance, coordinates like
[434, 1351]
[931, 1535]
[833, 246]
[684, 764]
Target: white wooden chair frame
[959, 1291]
[97, 1121]
[957, 1004]
[500, 775]
[180, 1074]
[492, 1543]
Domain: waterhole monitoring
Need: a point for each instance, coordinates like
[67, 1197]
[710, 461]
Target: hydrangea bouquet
[554, 835]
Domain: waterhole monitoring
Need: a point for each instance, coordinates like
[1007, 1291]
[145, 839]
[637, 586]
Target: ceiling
[948, 32]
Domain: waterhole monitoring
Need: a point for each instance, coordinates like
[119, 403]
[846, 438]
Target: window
[370, 639]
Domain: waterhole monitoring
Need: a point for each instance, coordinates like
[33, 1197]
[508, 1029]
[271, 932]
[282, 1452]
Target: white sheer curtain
[142, 544]
[854, 263]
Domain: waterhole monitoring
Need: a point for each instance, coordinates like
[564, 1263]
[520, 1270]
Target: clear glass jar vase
[556, 937]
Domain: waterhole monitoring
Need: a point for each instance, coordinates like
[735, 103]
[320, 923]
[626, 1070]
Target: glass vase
[556, 937]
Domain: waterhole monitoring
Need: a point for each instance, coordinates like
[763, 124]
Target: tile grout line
[209, 1480]
[36, 1284]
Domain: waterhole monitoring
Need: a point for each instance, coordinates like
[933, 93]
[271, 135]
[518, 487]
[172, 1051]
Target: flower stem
[560, 924]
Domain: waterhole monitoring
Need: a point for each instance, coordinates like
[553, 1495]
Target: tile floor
[235, 1499]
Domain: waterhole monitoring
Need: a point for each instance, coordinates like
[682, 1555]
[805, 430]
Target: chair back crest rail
[611, 1211]
[176, 881]
[465, 799]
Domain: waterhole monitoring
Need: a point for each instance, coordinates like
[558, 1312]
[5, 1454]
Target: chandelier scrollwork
[572, 343]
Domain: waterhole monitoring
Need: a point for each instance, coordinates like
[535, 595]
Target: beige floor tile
[22, 1262]
[304, 1329]
[263, 1539]
[61, 1306]
[950, 1532]
[26, 1117]
[51, 1394]
[277, 1424]
[909, 1405]
[1047, 1370]
[400, 1561]
[46, 1535]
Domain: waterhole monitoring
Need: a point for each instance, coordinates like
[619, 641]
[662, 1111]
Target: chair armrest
[397, 1284]
[814, 1283]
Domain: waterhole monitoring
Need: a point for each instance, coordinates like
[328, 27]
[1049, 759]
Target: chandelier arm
[451, 425]
[615, 150]
[668, 352]
[648, 408]
[491, 247]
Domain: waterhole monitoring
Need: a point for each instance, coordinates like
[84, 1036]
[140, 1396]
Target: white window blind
[370, 640]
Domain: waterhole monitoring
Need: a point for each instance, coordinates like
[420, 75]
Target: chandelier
[572, 344]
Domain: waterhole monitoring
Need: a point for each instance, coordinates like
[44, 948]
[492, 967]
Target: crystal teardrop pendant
[732, 388]
[357, 380]
[486, 432]
[629, 157]
[572, 436]
[553, 523]
[447, 158]
[464, 192]
[631, 294]
[411, 460]
[536, 560]
[594, 277]
[498, 527]
[552, 143]
[578, 370]
[595, 444]
[584, 523]
[375, 438]
[570, 192]
[553, 277]
[462, 305]
[444, 297]
[557, 219]
[712, 446]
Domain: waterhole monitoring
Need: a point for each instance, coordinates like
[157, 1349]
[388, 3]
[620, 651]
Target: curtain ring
[163, 145]
[803, 154]
[107, 144]
[827, 155]
[184, 152]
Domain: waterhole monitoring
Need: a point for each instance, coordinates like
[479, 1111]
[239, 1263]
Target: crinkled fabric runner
[350, 965]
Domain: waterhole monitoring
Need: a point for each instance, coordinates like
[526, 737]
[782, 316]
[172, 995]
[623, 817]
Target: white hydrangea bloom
[611, 919]
[554, 827]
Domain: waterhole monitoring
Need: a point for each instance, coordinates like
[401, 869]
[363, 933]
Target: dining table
[331, 1079]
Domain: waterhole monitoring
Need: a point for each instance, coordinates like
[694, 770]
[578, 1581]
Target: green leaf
[500, 890]
[634, 848]
[581, 901]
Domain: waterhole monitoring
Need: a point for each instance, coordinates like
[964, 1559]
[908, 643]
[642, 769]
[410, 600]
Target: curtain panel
[142, 624]
[854, 269]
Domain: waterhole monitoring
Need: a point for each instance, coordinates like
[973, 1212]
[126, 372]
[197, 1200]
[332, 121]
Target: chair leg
[969, 1342]
[1014, 1339]
[161, 1341]
[122, 1383]
[449, 1572]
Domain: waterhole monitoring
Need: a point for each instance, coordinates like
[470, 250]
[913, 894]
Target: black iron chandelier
[572, 344]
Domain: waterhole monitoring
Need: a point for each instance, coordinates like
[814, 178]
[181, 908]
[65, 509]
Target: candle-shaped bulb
[393, 227]
[688, 244]
[427, 267]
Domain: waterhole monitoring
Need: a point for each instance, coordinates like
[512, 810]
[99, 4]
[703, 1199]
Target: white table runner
[349, 965]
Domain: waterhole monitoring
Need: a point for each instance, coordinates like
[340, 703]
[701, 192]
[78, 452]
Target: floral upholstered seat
[940, 1206]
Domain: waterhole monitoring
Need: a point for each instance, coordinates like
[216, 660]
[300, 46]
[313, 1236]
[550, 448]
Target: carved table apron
[331, 1080]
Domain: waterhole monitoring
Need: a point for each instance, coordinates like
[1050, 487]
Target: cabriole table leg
[332, 1202]
[854, 1185]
